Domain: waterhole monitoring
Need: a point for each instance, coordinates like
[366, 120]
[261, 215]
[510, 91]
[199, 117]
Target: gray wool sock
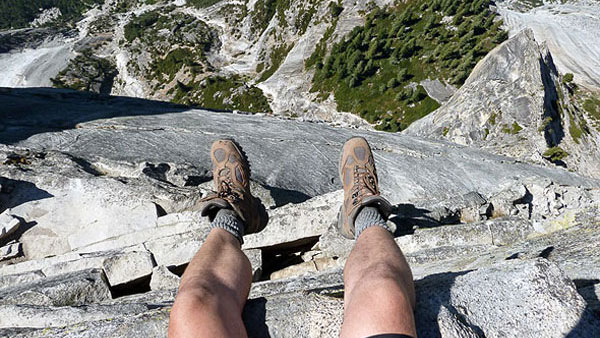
[228, 220]
[366, 218]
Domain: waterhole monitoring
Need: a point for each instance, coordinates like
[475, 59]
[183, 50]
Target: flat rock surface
[297, 156]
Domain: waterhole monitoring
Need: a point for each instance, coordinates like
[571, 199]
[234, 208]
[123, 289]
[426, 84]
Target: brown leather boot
[231, 175]
[359, 179]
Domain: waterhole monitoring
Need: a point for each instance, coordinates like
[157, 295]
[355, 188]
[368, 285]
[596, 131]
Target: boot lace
[364, 184]
[227, 191]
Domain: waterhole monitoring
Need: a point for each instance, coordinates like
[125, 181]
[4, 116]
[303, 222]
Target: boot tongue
[224, 173]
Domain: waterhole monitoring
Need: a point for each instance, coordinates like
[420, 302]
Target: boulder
[8, 224]
[296, 222]
[128, 267]
[35, 316]
[20, 278]
[467, 304]
[176, 250]
[163, 279]
[10, 251]
[71, 289]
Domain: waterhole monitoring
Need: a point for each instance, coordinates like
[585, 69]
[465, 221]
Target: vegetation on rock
[202, 3]
[373, 70]
[87, 73]
[555, 154]
[515, 128]
[219, 92]
[20, 13]
[277, 56]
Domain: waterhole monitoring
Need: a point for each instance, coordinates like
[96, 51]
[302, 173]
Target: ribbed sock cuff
[366, 218]
[228, 220]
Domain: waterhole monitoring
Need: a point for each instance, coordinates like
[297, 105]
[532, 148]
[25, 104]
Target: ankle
[369, 217]
[227, 220]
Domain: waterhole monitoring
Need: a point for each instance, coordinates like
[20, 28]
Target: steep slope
[285, 57]
[569, 28]
[98, 216]
[502, 108]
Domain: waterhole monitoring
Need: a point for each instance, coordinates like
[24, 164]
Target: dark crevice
[178, 269]
[86, 166]
[160, 211]
[284, 255]
[140, 285]
[513, 256]
[157, 172]
[546, 252]
[553, 132]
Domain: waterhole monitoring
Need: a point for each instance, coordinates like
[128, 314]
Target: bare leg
[379, 290]
[213, 290]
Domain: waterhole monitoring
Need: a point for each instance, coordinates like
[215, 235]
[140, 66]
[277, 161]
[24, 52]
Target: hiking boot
[359, 179]
[231, 175]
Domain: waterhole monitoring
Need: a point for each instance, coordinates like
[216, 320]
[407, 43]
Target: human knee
[374, 271]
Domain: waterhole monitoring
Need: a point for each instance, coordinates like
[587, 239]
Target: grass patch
[184, 48]
[174, 61]
[592, 107]
[513, 129]
[139, 24]
[372, 71]
[277, 56]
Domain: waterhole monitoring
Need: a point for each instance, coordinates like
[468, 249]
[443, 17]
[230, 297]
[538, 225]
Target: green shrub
[555, 154]
[515, 128]
[568, 78]
[335, 9]
[278, 55]
[222, 93]
[545, 123]
[174, 61]
[136, 27]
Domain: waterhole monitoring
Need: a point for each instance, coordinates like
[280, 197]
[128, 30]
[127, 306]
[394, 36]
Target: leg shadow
[254, 317]
[15, 193]
[433, 305]
[589, 323]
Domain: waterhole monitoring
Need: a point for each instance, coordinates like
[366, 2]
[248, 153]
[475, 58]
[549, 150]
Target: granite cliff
[98, 200]
[496, 192]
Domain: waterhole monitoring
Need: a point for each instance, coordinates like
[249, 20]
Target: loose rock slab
[128, 267]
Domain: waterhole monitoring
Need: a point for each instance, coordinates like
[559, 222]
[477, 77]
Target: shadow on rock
[254, 317]
[285, 196]
[407, 216]
[15, 193]
[29, 111]
[434, 311]
[589, 323]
